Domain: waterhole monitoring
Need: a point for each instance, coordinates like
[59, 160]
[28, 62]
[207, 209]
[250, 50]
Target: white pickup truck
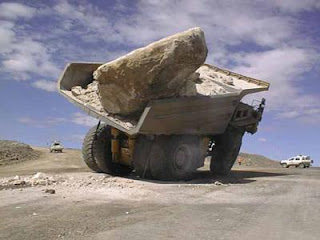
[300, 161]
[56, 147]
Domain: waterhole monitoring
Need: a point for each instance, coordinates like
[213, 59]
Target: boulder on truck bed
[156, 71]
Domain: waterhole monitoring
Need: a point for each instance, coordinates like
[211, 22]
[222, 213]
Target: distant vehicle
[301, 161]
[56, 147]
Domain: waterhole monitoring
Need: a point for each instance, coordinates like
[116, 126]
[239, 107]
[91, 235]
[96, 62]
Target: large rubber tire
[150, 157]
[87, 150]
[141, 155]
[97, 152]
[157, 158]
[226, 150]
[184, 154]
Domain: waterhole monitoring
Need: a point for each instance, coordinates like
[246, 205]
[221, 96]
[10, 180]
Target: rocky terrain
[42, 161]
[55, 196]
[14, 152]
[255, 160]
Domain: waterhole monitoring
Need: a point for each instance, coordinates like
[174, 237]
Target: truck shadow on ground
[206, 177]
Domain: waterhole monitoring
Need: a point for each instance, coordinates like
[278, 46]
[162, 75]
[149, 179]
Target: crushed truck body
[164, 134]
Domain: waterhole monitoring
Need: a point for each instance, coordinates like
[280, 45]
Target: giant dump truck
[171, 137]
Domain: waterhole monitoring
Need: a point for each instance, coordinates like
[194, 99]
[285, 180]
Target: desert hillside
[13, 152]
[256, 160]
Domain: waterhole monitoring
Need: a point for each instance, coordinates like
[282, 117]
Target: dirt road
[68, 161]
[250, 204]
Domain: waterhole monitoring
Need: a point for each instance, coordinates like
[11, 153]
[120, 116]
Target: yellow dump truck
[171, 137]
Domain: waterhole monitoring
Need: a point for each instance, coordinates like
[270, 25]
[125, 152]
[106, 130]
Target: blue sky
[276, 41]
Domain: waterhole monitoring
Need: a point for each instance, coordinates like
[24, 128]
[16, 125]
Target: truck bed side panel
[190, 115]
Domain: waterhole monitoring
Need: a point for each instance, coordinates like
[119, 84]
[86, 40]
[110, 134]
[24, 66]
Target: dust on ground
[57, 197]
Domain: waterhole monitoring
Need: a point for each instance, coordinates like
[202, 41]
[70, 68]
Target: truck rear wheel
[158, 159]
[97, 152]
[150, 157]
[226, 150]
[141, 155]
[167, 157]
[183, 156]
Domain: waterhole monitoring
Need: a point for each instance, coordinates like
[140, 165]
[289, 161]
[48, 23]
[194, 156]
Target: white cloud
[11, 10]
[308, 115]
[284, 69]
[7, 36]
[291, 114]
[267, 32]
[76, 118]
[75, 138]
[29, 56]
[310, 118]
[262, 139]
[83, 119]
[26, 120]
[25, 57]
[296, 5]
[225, 22]
[278, 65]
[41, 123]
[49, 86]
[22, 55]
[87, 21]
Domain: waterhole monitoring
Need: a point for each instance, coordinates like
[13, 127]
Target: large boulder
[156, 71]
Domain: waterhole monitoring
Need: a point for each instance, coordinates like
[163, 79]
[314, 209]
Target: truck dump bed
[199, 115]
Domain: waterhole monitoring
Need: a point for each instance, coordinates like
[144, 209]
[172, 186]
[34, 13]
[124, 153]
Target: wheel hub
[182, 157]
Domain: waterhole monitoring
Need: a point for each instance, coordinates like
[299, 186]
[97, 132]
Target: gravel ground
[70, 202]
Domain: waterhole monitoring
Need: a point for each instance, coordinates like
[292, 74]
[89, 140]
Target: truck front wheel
[226, 150]
[97, 153]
